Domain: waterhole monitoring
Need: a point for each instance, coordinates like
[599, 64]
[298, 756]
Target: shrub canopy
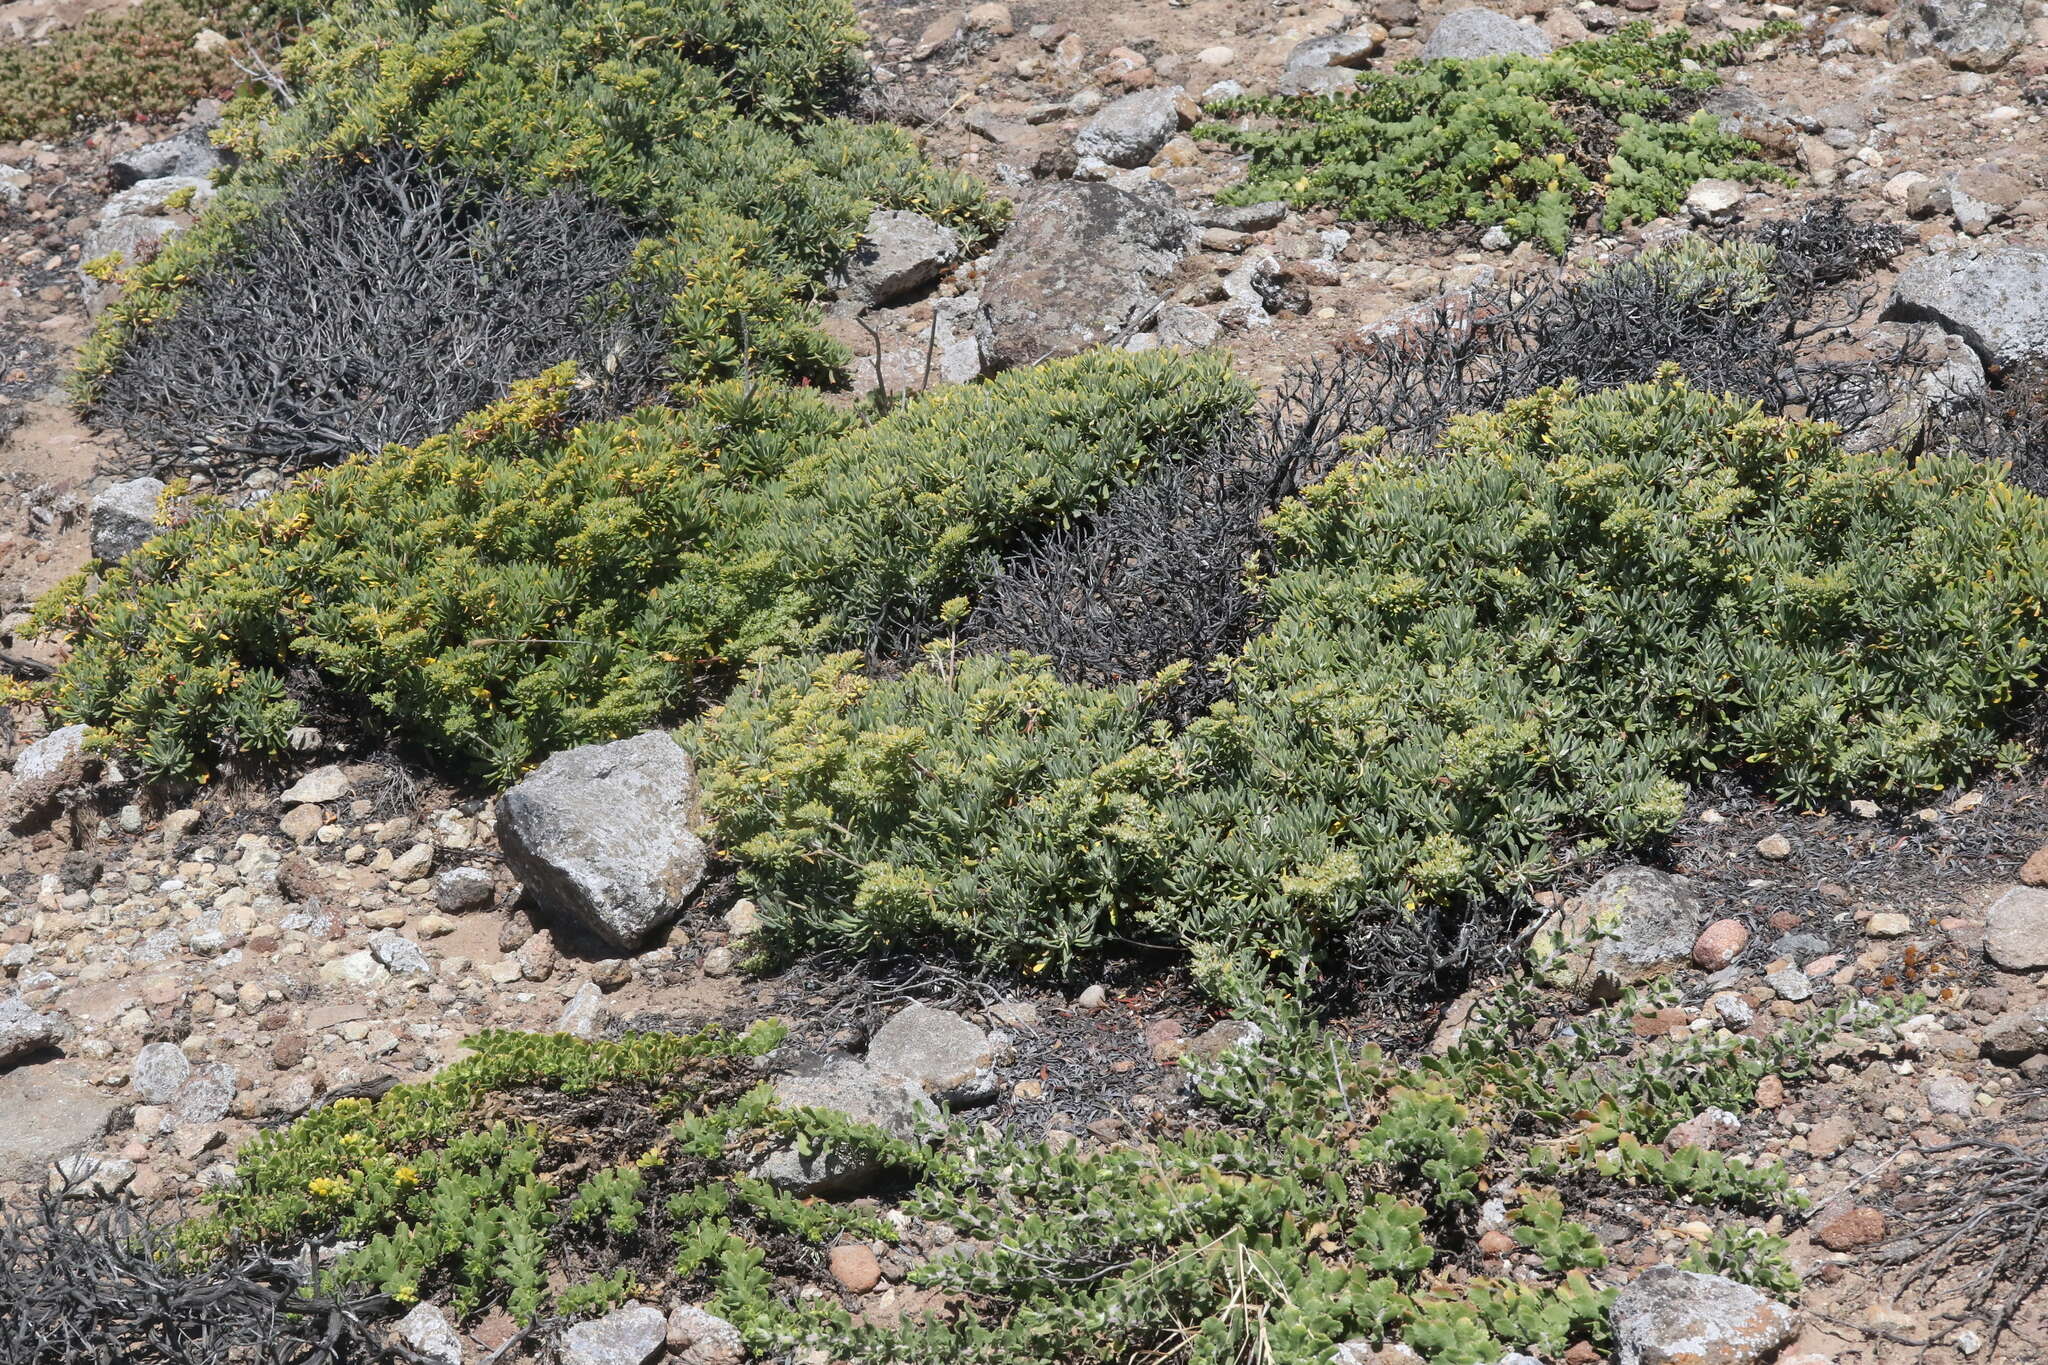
[1467, 663]
[519, 585]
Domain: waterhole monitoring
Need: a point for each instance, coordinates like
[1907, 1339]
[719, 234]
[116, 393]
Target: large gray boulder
[1644, 923]
[123, 517]
[24, 1032]
[1667, 1316]
[1972, 35]
[602, 834]
[1078, 269]
[189, 155]
[1484, 33]
[1997, 299]
[854, 1091]
[1131, 130]
[948, 1057]
[47, 1113]
[900, 251]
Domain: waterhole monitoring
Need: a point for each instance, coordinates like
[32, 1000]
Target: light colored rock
[1719, 944]
[698, 1337]
[1079, 268]
[1972, 35]
[399, 955]
[1667, 1316]
[1775, 847]
[321, 787]
[604, 834]
[94, 1177]
[1950, 1095]
[24, 1032]
[359, 969]
[189, 156]
[743, 920]
[302, 823]
[2016, 930]
[847, 1088]
[428, 1333]
[1653, 920]
[1224, 1037]
[43, 772]
[630, 1335]
[1483, 33]
[949, 1058]
[898, 252]
[47, 1112]
[413, 864]
[207, 1094]
[1713, 203]
[1887, 925]
[1710, 1128]
[1791, 984]
[2016, 1035]
[1996, 299]
[124, 517]
[159, 1071]
[1129, 131]
[583, 1017]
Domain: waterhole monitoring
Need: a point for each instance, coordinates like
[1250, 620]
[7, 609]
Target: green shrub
[127, 64]
[707, 125]
[1530, 144]
[1320, 1194]
[1469, 663]
[513, 587]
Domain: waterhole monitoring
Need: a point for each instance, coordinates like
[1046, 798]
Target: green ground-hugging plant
[517, 586]
[126, 64]
[1321, 1194]
[1531, 144]
[708, 125]
[1467, 663]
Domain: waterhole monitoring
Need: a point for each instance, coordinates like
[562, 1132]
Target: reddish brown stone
[1719, 944]
[1494, 1242]
[1849, 1229]
[855, 1267]
[2034, 871]
[1770, 1093]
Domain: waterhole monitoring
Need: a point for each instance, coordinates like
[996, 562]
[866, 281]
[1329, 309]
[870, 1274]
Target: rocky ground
[186, 971]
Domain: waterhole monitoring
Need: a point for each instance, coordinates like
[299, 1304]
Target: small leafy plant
[1531, 144]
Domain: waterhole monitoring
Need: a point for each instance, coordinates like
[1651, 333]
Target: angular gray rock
[1318, 66]
[426, 1330]
[24, 1032]
[1077, 269]
[698, 1337]
[1130, 131]
[899, 251]
[2016, 1035]
[584, 1015]
[207, 1094]
[461, 890]
[1190, 329]
[1258, 217]
[1667, 1316]
[602, 834]
[2016, 930]
[1713, 202]
[91, 1177]
[850, 1089]
[1996, 299]
[1484, 33]
[43, 772]
[630, 1335]
[159, 1070]
[190, 155]
[944, 1054]
[46, 1112]
[1651, 920]
[124, 517]
[398, 954]
[1971, 35]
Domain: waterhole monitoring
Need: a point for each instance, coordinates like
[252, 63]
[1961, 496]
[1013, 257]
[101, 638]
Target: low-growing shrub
[1468, 666]
[519, 585]
[1531, 144]
[111, 67]
[377, 303]
[1320, 1194]
[709, 128]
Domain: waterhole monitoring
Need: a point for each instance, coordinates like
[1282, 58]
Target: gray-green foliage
[1469, 661]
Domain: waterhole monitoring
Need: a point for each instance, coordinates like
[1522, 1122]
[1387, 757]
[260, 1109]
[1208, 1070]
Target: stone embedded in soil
[1130, 131]
[1971, 35]
[426, 1331]
[943, 1053]
[856, 1268]
[702, 1338]
[1849, 1229]
[1667, 1316]
[2034, 872]
[1950, 1095]
[1790, 984]
[583, 1016]
[2016, 1035]
[461, 890]
[1775, 847]
[631, 1335]
[2016, 930]
[602, 834]
[159, 1070]
[207, 1094]
[1653, 919]
[1719, 944]
[1483, 33]
[1710, 1128]
[1994, 298]
[124, 517]
[1224, 1037]
[321, 787]
[43, 772]
[1887, 925]
[898, 252]
[852, 1090]
[301, 823]
[24, 1032]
